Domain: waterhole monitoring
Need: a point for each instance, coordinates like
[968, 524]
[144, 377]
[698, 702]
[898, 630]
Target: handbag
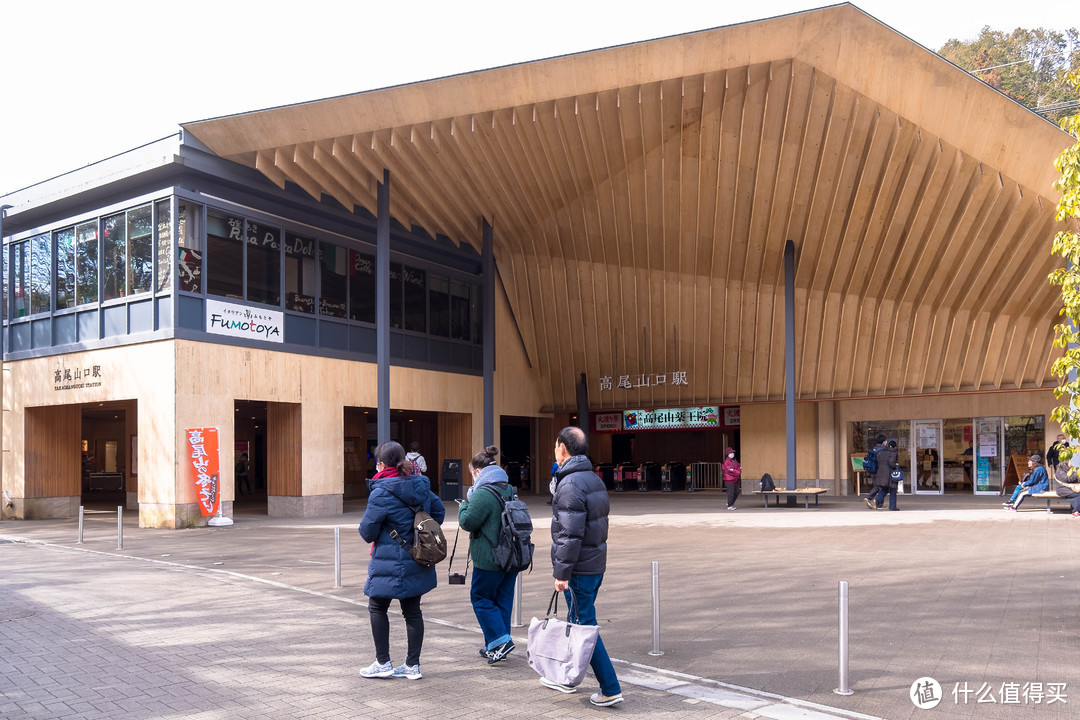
[560, 651]
[897, 474]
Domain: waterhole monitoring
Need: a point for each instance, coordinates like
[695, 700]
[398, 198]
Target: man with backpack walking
[579, 529]
[498, 553]
[883, 460]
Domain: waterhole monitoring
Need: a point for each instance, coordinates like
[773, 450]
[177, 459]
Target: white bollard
[337, 558]
[517, 603]
[656, 651]
[843, 689]
[80, 542]
[119, 527]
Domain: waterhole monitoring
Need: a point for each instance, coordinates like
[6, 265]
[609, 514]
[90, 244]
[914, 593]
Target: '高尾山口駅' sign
[241, 321]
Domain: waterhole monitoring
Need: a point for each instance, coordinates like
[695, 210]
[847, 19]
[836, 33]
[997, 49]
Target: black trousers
[380, 627]
[734, 490]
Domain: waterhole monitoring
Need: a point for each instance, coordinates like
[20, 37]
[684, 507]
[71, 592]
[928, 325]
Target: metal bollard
[517, 603]
[843, 689]
[337, 557]
[656, 610]
[80, 542]
[119, 527]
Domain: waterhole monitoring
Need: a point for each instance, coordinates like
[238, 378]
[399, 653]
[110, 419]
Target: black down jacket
[579, 523]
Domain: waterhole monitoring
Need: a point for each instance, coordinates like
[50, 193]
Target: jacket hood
[410, 489]
[728, 451]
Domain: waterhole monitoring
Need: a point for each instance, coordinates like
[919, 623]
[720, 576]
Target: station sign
[691, 418]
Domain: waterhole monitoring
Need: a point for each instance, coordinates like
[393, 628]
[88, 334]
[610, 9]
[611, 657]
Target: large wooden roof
[642, 195]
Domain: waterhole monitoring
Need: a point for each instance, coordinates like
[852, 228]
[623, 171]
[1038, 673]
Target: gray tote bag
[560, 651]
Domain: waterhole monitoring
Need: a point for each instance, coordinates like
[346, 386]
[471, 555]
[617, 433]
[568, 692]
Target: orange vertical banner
[205, 461]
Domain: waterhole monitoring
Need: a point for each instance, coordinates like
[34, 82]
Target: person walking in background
[884, 484]
[418, 461]
[1034, 482]
[554, 480]
[1053, 455]
[732, 477]
[395, 493]
[492, 592]
[579, 530]
[243, 468]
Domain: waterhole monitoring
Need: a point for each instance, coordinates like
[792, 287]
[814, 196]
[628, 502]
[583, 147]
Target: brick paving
[244, 622]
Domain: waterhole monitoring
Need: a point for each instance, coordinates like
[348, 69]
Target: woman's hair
[485, 457]
[392, 455]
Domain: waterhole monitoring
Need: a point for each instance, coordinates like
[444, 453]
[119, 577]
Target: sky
[82, 81]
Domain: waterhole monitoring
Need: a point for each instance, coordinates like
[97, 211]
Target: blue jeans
[492, 596]
[878, 496]
[1016, 493]
[585, 588]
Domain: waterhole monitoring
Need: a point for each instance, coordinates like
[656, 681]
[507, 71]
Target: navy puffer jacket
[579, 523]
[392, 573]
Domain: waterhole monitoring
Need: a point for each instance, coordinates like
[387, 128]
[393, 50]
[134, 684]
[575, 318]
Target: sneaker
[731, 507]
[409, 672]
[1076, 514]
[485, 653]
[601, 700]
[870, 503]
[556, 686]
[499, 653]
[378, 669]
[1010, 508]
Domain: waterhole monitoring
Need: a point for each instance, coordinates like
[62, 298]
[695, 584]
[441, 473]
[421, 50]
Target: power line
[1018, 62]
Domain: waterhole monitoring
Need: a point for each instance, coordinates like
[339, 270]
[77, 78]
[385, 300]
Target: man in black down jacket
[579, 528]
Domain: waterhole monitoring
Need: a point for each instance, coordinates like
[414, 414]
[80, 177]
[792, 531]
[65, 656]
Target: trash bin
[450, 480]
[674, 477]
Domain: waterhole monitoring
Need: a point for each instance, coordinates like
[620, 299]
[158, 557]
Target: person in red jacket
[732, 477]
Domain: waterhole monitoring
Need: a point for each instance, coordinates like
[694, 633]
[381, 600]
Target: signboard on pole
[205, 461]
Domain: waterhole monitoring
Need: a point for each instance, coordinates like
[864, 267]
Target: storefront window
[225, 255]
[189, 247]
[263, 263]
[439, 297]
[460, 310]
[19, 285]
[113, 256]
[299, 273]
[1025, 434]
[864, 434]
[140, 232]
[395, 295]
[164, 245]
[361, 287]
[333, 265]
[65, 268]
[40, 273]
[414, 283]
[86, 263]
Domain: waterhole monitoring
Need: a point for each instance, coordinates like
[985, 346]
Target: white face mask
[731, 455]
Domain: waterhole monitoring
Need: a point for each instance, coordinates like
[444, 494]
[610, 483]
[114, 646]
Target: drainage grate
[15, 614]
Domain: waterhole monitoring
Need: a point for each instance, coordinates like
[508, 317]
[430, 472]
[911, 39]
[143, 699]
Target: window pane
[65, 268]
[140, 248]
[164, 245]
[415, 282]
[189, 247]
[19, 285]
[41, 273]
[361, 287]
[113, 257]
[460, 303]
[264, 264]
[225, 255]
[299, 273]
[86, 263]
[395, 295]
[474, 312]
[333, 263]
[439, 293]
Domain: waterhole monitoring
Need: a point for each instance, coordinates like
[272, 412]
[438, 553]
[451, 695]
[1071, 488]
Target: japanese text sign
[205, 461]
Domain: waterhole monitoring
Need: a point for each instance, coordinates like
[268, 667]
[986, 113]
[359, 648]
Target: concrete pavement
[243, 621]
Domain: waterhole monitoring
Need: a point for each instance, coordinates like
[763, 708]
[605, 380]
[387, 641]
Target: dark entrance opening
[106, 455]
[249, 457]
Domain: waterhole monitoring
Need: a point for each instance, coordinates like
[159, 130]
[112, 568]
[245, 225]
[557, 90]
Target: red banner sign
[203, 443]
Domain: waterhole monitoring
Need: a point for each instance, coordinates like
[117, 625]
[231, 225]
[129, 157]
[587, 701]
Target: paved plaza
[244, 621]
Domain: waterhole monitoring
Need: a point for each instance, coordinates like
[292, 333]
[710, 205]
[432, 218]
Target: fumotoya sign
[241, 321]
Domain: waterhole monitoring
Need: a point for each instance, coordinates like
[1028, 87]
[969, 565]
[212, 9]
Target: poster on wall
[205, 462]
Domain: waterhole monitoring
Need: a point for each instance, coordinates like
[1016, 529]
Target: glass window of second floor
[361, 287]
[333, 273]
[299, 273]
[86, 263]
[263, 263]
[225, 255]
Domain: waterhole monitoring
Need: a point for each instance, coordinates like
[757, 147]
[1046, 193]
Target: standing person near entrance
[887, 461]
[579, 529]
[396, 491]
[1053, 456]
[732, 477]
[243, 469]
[492, 591]
[418, 461]
[1035, 482]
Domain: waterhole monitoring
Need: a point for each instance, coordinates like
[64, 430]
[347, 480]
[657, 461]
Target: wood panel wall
[283, 449]
[455, 441]
[53, 451]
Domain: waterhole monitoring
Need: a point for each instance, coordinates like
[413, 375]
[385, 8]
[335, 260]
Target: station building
[599, 238]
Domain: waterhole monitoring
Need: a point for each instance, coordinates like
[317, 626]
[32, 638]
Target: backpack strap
[397, 536]
[496, 493]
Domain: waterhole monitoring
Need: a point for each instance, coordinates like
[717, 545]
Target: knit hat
[1037, 459]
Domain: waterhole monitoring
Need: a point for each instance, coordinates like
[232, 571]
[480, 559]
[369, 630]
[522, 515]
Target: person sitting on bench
[1033, 483]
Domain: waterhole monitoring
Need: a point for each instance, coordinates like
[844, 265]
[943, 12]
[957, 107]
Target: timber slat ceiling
[640, 220]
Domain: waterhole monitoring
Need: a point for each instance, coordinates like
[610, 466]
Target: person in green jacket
[492, 591]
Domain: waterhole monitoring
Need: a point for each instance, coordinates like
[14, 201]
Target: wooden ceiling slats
[283, 161]
[264, 163]
[304, 157]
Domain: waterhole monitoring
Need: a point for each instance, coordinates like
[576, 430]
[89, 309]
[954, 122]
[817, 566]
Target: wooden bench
[804, 493]
[1048, 496]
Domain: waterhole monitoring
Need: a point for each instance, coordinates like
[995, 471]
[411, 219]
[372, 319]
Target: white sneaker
[377, 670]
[731, 507]
[601, 700]
[409, 672]
[556, 686]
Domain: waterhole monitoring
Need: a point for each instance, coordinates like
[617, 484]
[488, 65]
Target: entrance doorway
[249, 457]
[515, 451]
[108, 454]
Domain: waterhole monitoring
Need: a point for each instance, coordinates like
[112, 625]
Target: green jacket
[482, 517]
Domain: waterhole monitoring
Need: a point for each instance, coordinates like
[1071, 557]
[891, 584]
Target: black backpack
[767, 483]
[514, 550]
[429, 543]
[869, 462]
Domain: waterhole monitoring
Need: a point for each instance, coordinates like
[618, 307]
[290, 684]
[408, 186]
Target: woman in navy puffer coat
[392, 573]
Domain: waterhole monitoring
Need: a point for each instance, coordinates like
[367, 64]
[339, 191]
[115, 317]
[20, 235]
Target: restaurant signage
[205, 462]
[240, 321]
[671, 418]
